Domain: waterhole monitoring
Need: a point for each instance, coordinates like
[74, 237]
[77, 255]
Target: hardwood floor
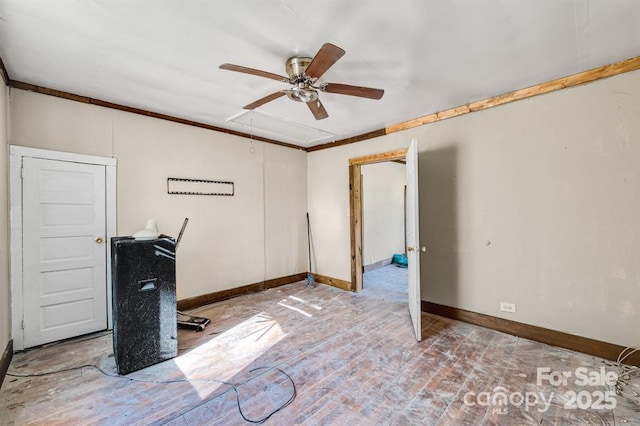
[352, 357]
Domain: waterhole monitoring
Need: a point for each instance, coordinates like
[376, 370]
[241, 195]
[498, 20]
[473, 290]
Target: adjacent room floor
[353, 360]
[388, 283]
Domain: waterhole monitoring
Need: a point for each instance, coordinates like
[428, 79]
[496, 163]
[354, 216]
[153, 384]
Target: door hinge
[22, 171]
[22, 324]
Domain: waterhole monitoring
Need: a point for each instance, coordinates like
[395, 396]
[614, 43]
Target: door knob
[98, 240]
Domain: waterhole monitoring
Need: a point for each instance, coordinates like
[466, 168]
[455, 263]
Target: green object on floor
[400, 260]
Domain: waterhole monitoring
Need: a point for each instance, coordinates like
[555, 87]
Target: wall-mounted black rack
[183, 186]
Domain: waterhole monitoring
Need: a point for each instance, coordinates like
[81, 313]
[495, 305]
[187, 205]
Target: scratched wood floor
[352, 357]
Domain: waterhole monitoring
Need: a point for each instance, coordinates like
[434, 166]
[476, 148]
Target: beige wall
[536, 203]
[230, 241]
[382, 210]
[5, 302]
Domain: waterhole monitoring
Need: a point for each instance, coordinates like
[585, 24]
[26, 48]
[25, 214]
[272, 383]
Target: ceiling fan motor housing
[296, 67]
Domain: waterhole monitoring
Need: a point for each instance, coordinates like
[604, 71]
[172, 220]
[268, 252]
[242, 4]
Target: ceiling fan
[303, 74]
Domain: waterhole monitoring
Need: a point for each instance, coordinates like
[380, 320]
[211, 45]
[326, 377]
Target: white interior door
[413, 245]
[64, 250]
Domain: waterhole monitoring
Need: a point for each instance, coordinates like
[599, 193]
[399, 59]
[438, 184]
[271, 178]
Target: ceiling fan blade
[324, 59]
[346, 89]
[317, 109]
[252, 71]
[264, 100]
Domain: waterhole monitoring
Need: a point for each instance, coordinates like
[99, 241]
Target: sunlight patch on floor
[293, 308]
[229, 353]
[297, 299]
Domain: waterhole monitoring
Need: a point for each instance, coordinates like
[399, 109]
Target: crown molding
[92, 101]
[5, 74]
[581, 78]
[578, 79]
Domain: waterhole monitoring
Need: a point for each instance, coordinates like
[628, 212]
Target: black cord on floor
[234, 386]
[48, 373]
[264, 419]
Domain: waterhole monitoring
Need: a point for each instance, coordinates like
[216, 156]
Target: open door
[413, 245]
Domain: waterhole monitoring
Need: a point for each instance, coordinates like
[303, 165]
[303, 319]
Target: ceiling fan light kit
[303, 74]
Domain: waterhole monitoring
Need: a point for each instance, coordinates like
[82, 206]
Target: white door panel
[56, 216]
[413, 244]
[64, 268]
[68, 314]
[59, 283]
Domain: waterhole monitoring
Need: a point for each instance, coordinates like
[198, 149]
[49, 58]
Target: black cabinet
[144, 302]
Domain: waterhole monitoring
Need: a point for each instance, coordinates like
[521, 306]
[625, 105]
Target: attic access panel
[281, 128]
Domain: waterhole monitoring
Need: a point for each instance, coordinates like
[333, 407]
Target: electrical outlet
[508, 307]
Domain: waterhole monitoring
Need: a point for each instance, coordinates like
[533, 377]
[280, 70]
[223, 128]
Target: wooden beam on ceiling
[529, 92]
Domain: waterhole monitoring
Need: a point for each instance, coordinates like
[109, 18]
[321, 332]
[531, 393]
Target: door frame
[355, 207]
[16, 153]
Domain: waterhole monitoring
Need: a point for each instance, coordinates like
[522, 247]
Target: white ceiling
[428, 55]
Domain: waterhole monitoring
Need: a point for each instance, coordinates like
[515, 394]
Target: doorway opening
[412, 244]
[383, 230]
[356, 205]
